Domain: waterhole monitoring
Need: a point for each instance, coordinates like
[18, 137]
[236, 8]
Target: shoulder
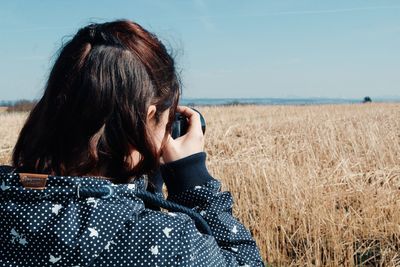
[161, 224]
[173, 238]
[154, 236]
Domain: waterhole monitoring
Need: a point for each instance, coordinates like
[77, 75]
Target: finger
[193, 118]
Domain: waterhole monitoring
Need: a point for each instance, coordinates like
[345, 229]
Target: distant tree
[22, 105]
[232, 103]
[367, 99]
[6, 103]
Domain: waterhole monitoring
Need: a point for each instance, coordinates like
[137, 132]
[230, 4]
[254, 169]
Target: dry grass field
[317, 185]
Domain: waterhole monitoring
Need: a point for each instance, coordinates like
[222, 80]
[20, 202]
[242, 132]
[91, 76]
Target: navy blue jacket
[61, 226]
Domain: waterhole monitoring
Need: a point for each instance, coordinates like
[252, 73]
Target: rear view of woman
[77, 191]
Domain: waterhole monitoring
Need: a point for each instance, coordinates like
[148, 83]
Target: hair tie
[92, 32]
[97, 34]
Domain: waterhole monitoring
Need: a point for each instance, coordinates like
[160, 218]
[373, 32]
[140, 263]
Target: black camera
[180, 124]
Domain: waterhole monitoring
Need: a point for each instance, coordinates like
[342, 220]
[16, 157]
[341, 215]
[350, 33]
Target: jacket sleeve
[189, 184]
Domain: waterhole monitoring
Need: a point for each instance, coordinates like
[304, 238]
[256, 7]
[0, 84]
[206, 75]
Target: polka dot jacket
[56, 226]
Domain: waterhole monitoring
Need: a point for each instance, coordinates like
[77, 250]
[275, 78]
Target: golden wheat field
[316, 185]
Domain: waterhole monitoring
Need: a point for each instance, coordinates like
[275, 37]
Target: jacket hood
[58, 221]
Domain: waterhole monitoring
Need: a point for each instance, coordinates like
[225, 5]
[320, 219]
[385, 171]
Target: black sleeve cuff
[186, 173]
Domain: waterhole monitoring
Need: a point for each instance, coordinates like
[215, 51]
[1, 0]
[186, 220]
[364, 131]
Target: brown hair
[94, 107]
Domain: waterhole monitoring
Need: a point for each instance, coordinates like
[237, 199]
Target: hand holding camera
[187, 135]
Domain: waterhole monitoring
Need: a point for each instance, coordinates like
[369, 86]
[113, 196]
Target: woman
[74, 195]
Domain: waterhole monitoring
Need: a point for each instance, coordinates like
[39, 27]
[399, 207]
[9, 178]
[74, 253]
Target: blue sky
[299, 48]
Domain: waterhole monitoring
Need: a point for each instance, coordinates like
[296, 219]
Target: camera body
[180, 124]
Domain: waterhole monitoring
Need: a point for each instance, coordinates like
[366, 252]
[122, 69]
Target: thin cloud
[299, 12]
[340, 10]
[204, 19]
[36, 29]
[32, 58]
[208, 24]
[200, 3]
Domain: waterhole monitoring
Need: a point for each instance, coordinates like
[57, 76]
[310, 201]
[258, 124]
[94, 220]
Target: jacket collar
[14, 179]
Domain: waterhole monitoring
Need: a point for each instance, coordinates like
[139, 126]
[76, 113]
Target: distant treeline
[27, 105]
[19, 105]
